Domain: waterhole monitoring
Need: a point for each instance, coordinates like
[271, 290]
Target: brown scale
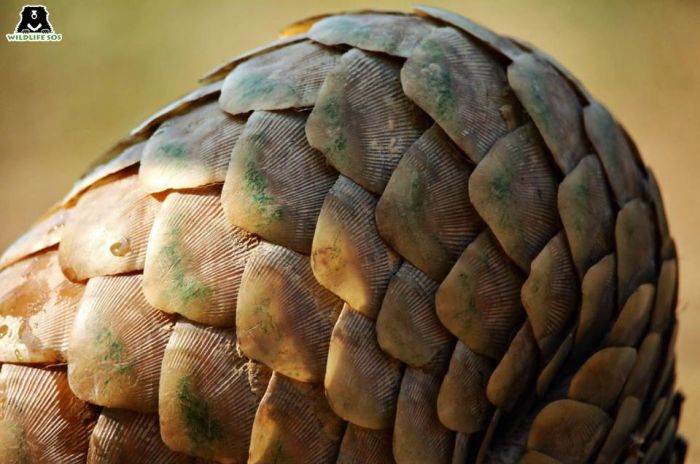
[126, 436]
[116, 346]
[419, 436]
[535, 457]
[479, 300]
[516, 371]
[294, 424]
[44, 234]
[348, 256]
[553, 106]
[362, 122]
[601, 378]
[395, 35]
[635, 238]
[548, 295]
[425, 213]
[648, 357]
[107, 232]
[462, 88]
[40, 419]
[276, 182]
[666, 374]
[568, 430]
[514, 189]
[365, 446]
[283, 78]
[666, 295]
[195, 258]
[407, 326]
[615, 153]
[626, 420]
[597, 306]
[190, 150]
[666, 242]
[552, 368]
[208, 394]
[633, 319]
[37, 308]
[284, 318]
[653, 420]
[362, 382]
[586, 213]
[462, 404]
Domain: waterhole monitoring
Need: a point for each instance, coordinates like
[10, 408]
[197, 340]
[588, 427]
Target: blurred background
[62, 104]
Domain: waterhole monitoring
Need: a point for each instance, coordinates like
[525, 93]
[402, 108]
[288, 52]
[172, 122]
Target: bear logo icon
[34, 19]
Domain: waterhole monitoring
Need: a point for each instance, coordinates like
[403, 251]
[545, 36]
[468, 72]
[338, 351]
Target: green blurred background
[62, 104]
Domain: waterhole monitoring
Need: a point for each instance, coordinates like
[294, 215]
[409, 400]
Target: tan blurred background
[62, 104]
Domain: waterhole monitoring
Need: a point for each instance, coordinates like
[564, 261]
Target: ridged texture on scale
[384, 237]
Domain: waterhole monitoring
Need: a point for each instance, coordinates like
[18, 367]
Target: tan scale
[284, 318]
[548, 295]
[362, 122]
[633, 319]
[457, 83]
[666, 295]
[549, 373]
[107, 233]
[648, 357]
[208, 394]
[294, 424]
[419, 435]
[407, 326]
[365, 446]
[601, 378]
[44, 234]
[535, 457]
[40, 418]
[514, 188]
[37, 308]
[116, 345]
[126, 436]
[190, 150]
[553, 106]
[276, 182]
[195, 258]
[348, 256]
[283, 78]
[462, 404]
[425, 213]
[626, 420]
[362, 382]
[479, 300]
[586, 212]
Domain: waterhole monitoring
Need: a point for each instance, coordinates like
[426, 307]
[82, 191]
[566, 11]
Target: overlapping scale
[601, 378]
[284, 318]
[626, 420]
[37, 308]
[635, 238]
[365, 446]
[282, 78]
[462, 88]
[586, 213]
[107, 231]
[208, 393]
[666, 242]
[549, 294]
[116, 345]
[666, 295]
[195, 258]
[549, 373]
[479, 300]
[294, 424]
[407, 326]
[362, 381]
[348, 256]
[44, 234]
[394, 35]
[40, 419]
[514, 189]
[535, 457]
[190, 150]
[568, 430]
[362, 120]
[462, 404]
[553, 106]
[126, 436]
[646, 364]
[633, 319]
[425, 213]
[276, 182]
[615, 153]
[419, 436]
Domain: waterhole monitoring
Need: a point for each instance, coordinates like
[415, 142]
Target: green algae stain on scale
[173, 150]
[201, 427]
[112, 355]
[262, 204]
